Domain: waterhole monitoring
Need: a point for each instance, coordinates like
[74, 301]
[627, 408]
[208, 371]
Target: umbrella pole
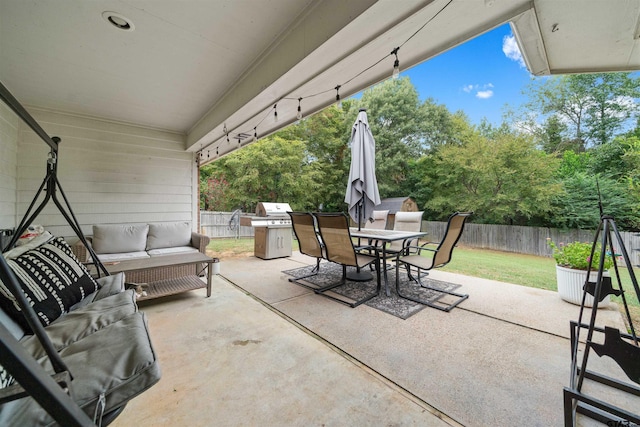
[358, 275]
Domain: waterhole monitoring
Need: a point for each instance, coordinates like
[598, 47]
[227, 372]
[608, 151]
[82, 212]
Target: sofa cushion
[172, 251]
[125, 256]
[168, 235]
[118, 238]
[52, 279]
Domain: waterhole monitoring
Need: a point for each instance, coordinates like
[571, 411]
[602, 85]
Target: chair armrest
[80, 251]
[200, 241]
[422, 247]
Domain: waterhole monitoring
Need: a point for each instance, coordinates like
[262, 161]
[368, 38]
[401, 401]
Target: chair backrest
[455, 225]
[379, 221]
[408, 221]
[405, 221]
[334, 232]
[304, 228]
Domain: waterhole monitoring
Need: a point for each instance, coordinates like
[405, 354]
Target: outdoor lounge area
[265, 351]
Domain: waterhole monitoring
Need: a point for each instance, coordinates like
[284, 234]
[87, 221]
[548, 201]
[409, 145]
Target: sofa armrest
[200, 241]
[80, 251]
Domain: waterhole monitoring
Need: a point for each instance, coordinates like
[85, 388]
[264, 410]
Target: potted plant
[573, 263]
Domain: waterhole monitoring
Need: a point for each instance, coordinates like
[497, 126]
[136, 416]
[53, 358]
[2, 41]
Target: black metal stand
[49, 392]
[623, 348]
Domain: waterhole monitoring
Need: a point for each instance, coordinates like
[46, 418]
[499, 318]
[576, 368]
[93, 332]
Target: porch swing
[44, 377]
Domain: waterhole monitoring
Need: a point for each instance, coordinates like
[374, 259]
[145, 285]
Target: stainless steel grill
[272, 227]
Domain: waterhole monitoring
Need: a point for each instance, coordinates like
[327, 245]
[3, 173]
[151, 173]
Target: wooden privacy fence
[223, 224]
[508, 238]
[526, 240]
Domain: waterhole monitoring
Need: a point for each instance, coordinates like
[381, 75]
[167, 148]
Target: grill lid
[272, 209]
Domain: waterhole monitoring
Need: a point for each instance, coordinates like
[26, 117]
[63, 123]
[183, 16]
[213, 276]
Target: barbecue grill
[272, 227]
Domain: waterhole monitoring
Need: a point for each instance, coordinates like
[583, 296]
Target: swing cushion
[53, 280]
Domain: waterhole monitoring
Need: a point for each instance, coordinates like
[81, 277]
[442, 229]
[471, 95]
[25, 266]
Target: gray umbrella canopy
[362, 190]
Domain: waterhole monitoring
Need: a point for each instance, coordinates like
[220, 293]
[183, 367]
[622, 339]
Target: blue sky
[476, 77]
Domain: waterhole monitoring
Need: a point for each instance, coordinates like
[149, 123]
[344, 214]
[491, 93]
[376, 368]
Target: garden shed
[396, 204]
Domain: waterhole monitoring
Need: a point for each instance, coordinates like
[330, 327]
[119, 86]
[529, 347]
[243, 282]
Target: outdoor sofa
[113, 243]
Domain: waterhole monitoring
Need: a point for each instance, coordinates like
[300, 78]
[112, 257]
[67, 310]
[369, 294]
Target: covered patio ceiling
[199, 67]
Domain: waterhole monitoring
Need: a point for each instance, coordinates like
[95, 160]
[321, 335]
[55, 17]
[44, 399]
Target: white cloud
[487, 85]
[512, 51]
[484, 94]
[468, 88]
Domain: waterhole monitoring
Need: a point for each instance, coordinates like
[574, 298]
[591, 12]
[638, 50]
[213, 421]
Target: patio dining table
[380, 238]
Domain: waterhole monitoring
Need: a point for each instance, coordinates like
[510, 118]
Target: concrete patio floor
[263, 351]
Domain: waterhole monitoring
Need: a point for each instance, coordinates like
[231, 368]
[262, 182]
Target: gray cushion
[172, 250]
[117, 238]
[117, 361]
[168, 235]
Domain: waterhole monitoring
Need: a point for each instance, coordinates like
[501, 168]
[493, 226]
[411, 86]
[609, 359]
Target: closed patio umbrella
[362, 189]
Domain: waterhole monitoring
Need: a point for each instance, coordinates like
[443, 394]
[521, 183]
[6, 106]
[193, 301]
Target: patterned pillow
[53, 280]
[5, 378]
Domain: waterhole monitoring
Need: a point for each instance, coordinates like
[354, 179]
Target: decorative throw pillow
[5, 378]
[52, 279]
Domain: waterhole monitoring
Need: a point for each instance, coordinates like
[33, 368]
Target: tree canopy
[539, 167]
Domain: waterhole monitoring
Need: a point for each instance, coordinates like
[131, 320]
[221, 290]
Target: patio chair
[440, 257]
[339, 248]
[404, 221]
[379, 221]
[304, 228]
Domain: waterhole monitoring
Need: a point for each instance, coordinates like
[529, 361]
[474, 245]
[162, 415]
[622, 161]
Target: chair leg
[343, 300]
[314, 272]
[436, 303]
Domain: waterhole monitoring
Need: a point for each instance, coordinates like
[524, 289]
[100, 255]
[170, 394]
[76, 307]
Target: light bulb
[396, 64]
[338, 100]
[275, 113]
[299, 114]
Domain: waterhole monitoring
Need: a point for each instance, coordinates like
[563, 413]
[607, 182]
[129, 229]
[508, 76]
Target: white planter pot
[570, 283]
[215, 266]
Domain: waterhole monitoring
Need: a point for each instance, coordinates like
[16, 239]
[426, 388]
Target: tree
[326, 135]
[504, 179]
[593, 106]
[271, 170]
[577, 206]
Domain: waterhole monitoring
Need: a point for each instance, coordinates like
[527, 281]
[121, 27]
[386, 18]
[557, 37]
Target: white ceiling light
[118, 21]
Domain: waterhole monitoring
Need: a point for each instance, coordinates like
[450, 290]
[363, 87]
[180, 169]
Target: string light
[207, 154]
[299, 114]
[396, 64]
[240, 136]
[217, 151]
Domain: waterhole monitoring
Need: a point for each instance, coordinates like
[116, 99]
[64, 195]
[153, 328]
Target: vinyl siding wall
[111, 173]
[9, 123]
